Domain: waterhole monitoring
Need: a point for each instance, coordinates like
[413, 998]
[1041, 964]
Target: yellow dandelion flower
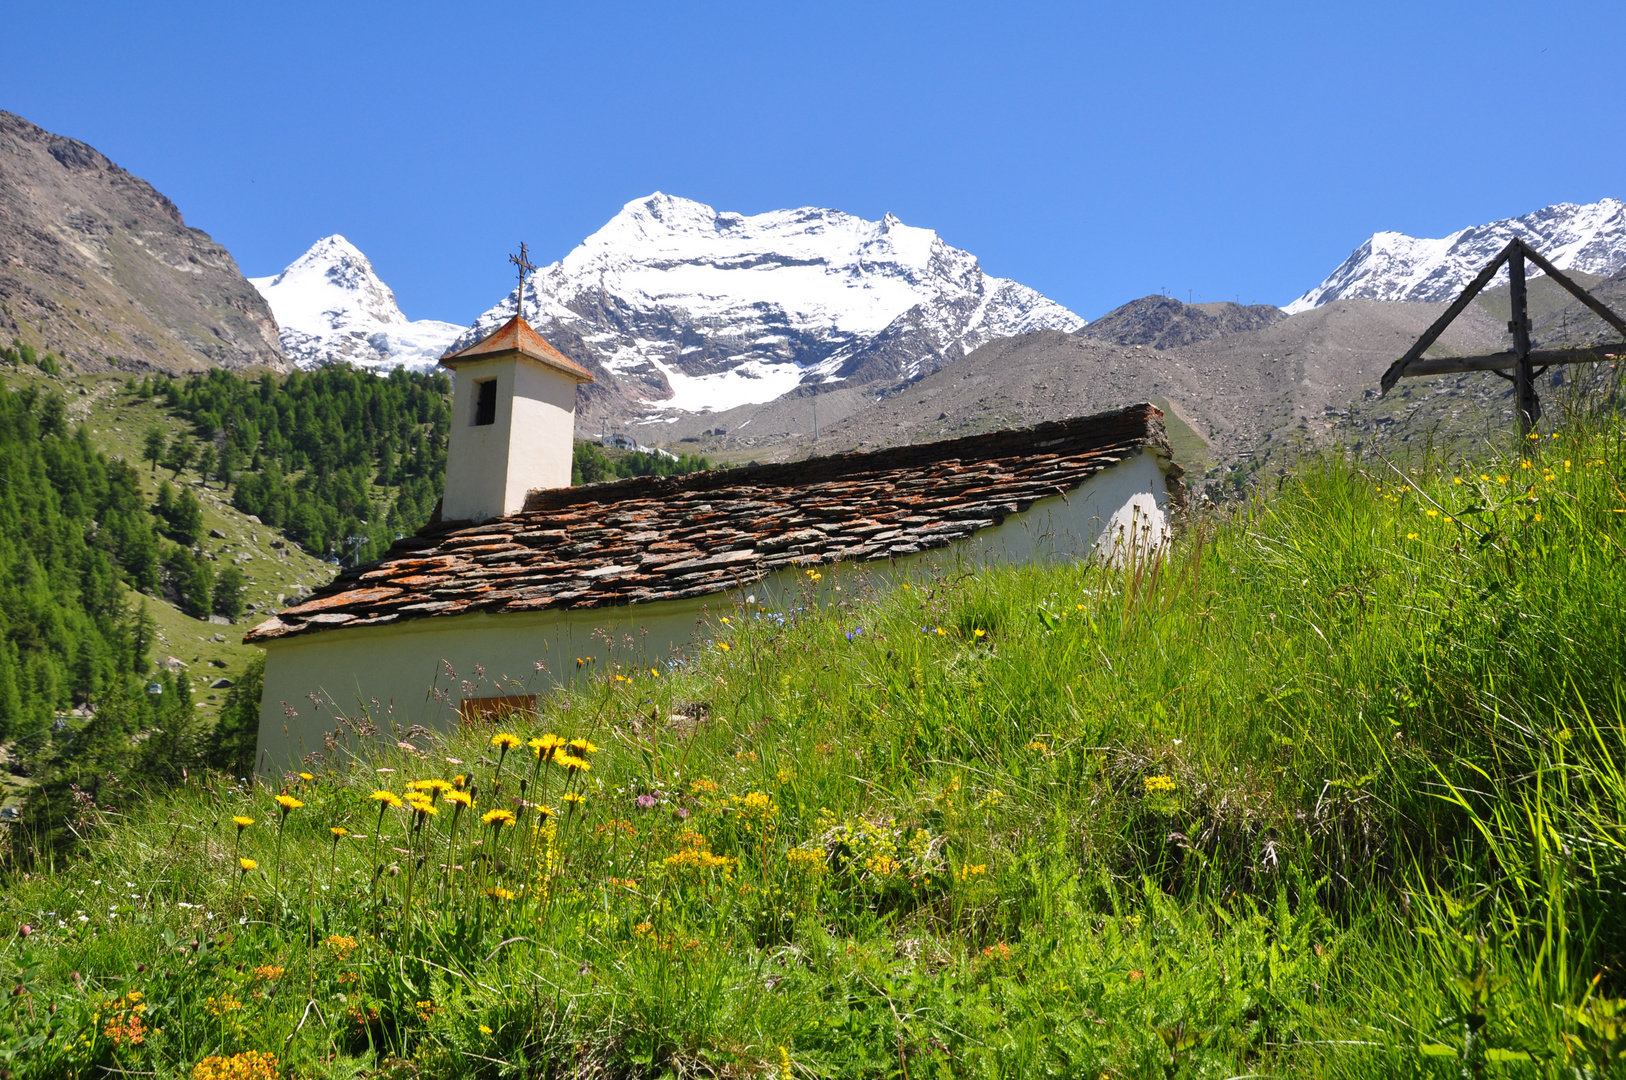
[1538, 517]
[461, 798]
[431, 785]
[424, 807]
[545, 812]
[575, 798]
[338, 831]
[306, 776]
[388, 798]
[582, 746]
[723, 645]
[498, 818]
[288, 802]
[574, 763]
[245, 865]
[484, 1030]
[242, 822]
[546, 746]
[1433, 513]
[497, 892]
[505, 740]
[979, 633]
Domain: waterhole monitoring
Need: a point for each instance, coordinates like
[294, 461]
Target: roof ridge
[830, 467]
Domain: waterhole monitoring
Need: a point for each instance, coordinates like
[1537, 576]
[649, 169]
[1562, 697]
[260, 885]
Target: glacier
[1588, 237]
[331, 307]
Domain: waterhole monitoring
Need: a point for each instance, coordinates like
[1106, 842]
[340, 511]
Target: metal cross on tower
[522, 261]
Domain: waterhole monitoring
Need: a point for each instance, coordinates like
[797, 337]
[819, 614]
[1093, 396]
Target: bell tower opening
[485, 402]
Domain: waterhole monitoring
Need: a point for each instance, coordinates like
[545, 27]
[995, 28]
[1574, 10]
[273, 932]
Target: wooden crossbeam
[1448, 365]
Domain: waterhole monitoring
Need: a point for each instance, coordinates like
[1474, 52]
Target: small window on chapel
[485, 402]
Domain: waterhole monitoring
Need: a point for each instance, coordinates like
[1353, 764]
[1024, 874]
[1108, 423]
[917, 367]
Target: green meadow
[1335, 789]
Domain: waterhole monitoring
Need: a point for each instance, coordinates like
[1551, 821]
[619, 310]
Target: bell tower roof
[516, 338]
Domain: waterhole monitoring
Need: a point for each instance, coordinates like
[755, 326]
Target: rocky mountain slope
[332, 307]
[98, 267]
[1393, 266]
[1242, 393]
[681, 308]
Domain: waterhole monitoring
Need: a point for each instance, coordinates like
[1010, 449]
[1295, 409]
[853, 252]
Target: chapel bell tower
[513, 419]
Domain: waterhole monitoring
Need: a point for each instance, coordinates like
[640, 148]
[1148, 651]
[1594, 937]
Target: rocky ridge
[1394, 266]
[98, 267]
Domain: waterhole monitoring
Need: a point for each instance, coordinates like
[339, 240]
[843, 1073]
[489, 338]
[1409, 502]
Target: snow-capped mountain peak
[1393, 266]
[331, 306]
[691, 308]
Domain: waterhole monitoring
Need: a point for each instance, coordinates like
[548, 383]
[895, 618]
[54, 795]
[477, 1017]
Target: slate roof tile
[670, 538]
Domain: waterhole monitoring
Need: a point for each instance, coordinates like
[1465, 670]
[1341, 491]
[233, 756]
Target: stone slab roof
[668, 538]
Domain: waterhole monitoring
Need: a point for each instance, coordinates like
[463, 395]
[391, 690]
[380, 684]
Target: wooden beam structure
[1522, 358]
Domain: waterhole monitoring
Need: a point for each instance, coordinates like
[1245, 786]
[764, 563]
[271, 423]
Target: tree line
[340, 460]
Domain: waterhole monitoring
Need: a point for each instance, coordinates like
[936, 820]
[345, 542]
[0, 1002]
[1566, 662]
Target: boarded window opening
[485, 402]
[474, 709]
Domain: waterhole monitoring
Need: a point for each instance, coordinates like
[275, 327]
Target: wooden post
[1525, 401]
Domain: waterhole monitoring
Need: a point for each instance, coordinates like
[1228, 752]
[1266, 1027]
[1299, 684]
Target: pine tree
[152, 445]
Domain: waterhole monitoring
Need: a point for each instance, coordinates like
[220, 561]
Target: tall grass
[1336, 789]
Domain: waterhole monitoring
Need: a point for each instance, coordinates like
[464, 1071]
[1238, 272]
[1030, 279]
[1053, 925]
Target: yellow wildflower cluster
[342, 946]
[882, 849]
[756, 807]
[695, 854]
[267, 972]
[1159, 785]
[220, 1006]
[252, 1065]
[971, 870]
[702, 786]
[803, 861]
[882, 866]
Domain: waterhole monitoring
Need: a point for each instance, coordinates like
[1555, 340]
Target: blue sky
[1097, 152]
